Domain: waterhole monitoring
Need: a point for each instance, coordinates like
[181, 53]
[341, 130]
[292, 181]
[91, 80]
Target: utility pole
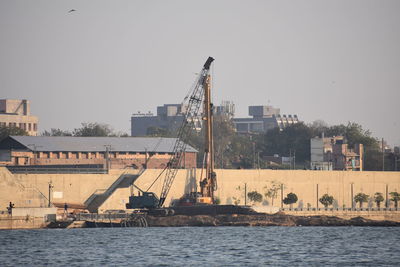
[35, 147]
[254, 155]
[294, 159]
[383, 156]
[352, 197]
[50, 188]
[107, 156]
[245, 194]
[317, 198]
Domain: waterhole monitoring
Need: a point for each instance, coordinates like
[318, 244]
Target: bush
[326, 200]
[254, 196]
[290, 199]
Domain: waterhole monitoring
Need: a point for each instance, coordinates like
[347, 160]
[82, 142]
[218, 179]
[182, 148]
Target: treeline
[86, 129]
[234, 150]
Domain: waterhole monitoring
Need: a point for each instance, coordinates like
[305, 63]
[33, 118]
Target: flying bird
[72, 10]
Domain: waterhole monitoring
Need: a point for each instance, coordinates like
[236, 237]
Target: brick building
[17, 113]
[110, 152]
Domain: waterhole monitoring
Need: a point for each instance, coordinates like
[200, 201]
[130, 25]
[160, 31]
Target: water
[202, 246]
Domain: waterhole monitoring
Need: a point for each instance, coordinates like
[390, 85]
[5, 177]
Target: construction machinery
[199, 105]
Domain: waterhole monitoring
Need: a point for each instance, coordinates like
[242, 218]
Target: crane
[198, 96]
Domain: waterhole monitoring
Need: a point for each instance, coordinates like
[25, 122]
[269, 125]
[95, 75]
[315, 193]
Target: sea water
[202, 246]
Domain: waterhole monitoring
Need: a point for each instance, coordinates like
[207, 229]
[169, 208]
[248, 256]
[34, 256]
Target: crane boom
[200, 94]
[184, 133]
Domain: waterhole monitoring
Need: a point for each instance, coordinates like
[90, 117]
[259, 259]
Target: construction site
[164, 187]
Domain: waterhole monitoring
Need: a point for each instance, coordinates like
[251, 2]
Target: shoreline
[254, 220]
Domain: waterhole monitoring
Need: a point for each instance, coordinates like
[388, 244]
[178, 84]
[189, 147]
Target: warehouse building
[109, 152]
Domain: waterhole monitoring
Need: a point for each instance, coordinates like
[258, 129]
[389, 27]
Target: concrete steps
[100, 196]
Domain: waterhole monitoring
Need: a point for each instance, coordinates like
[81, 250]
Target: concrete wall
[32, 190]
[23, 189]
[303, 183]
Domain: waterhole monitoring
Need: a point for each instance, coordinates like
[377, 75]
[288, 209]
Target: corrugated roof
[98, 144]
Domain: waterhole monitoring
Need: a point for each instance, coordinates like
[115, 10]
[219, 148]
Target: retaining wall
[31, 190]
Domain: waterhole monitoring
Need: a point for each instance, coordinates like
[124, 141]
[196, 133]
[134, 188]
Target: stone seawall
[21, 222]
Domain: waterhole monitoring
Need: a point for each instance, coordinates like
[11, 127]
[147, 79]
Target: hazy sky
[338, 61]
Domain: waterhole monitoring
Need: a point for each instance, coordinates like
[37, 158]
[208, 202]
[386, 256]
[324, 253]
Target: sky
[336, 61]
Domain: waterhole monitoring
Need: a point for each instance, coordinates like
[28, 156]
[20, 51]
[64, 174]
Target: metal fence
[101, 217]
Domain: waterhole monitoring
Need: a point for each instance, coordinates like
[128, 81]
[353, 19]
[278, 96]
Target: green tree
[326, 200]
[93, 129]
[56, 132]
[295, 137]
[6, 131]
[254, 196]
[224, 133]
[290, 199]
[378, 198]
[361, 197]
[395, 197]
[272, 191]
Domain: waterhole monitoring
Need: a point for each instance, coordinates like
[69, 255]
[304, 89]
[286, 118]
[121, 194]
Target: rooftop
[96, 144]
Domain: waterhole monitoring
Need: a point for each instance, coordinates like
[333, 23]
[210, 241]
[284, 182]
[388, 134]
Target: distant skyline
[102, 61]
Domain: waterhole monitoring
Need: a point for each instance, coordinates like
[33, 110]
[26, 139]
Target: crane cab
[147, 200]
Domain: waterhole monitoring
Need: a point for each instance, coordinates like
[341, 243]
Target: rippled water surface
[202, 246]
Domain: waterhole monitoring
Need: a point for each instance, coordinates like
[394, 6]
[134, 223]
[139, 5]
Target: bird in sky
[72, 10]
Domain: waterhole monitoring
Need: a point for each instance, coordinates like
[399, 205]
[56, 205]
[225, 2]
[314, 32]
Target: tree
[56, 132]
[7, 131]
[290, 199]
[326, 200]
[93, 129]
[378, 198]
[295, 137]
[272, 191]
[395, 197]
[361, 197]
[254, 196]
[224, 133]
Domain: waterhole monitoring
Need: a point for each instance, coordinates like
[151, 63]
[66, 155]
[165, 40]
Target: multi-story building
[332, 153]
[264, 118]
[169, 116]
[16, 113]
[109, 152]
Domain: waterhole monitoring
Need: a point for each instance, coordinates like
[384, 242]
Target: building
[263, 119]
[110, 152]
[227, 108]
[17, 113]
[169, 117]
[332, 153]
